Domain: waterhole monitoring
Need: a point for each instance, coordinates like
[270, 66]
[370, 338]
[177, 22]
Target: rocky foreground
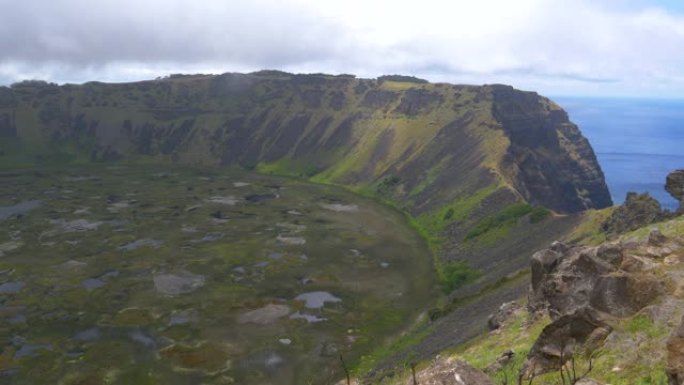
[610, 313]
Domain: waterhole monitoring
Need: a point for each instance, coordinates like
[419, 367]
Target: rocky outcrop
[638, 211]
[538, 164]
[583, 288]
[450, 372]
[675, 356]
[674, 184]
[566, 279]
[582, 331]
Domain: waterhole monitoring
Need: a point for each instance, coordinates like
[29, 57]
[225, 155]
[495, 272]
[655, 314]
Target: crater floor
[155, 274]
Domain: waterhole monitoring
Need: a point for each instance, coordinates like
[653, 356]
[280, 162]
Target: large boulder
[674, 184]
[566, 279]
[675, 355]
[638, 211]
[580, 332]
[622, 294]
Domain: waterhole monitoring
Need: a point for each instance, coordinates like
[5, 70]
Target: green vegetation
[402, 78]
[387, 185]
[434, 222]
[539, 213]
[506, 217]
[455, 274]
[410, 338]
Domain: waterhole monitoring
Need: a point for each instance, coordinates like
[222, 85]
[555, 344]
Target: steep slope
[452, 156]
[422, 144]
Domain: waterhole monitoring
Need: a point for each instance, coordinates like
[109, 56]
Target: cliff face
[422, 145]
[548, 160]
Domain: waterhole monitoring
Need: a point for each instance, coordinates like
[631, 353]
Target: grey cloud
[91, 33]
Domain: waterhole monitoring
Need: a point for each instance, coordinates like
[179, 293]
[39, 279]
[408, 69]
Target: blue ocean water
[637, 141]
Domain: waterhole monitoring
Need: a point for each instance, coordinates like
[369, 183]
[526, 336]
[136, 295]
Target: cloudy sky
[557, 47]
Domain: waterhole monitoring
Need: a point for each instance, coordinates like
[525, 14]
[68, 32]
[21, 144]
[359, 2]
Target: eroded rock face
[570, 334]
[450, 372]
[541, 136]
[582, 288]
[674, 184]
[609, 278]
[638, 211]
[675, 356]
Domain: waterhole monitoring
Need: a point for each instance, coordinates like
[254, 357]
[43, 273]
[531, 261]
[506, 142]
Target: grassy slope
[634, 354]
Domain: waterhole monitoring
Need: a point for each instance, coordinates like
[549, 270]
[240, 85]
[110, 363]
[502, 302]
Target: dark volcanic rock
[537, 162]
[674, 184]
[417, 101]
[583, 330]
[637, 211]
[565, 280]
[622, 294]
[379, 98]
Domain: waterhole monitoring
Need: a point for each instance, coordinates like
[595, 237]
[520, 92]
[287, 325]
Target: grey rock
[504, 312]
[583, 330]
[639, 210]
[674, 184]
[450, 372]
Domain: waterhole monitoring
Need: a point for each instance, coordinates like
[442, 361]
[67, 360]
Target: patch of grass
[505, 217]
[588, 232]
[387, 185]
[517, 335]
[453, 275]
[288, 167]
[370, 361]
[435, 221]
[642, 324]
[539, 213]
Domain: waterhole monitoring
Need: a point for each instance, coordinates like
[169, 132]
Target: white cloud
[583, 46]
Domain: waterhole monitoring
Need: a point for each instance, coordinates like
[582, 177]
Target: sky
[623, 48]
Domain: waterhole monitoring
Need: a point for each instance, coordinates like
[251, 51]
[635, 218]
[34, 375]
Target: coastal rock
[674, 184]
[638, 211]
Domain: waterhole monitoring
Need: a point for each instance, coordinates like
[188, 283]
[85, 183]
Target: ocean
[637, 141]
